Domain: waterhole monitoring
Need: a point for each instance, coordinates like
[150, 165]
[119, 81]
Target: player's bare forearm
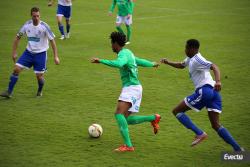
[216, 72]
[54, 48]
[14, 49]
[173, 64]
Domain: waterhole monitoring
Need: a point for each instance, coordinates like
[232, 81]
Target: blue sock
[187, 122]
[61, 29]
[228, 138]
[40, 85]
[13, 80]
[68, 28]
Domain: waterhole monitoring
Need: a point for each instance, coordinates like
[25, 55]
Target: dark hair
[193, 43]
[118, 37]
[34, 9]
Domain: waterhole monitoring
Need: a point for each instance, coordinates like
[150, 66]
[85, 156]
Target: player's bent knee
[17, 70]
[174, 111]
[216, 126]
[39, 77]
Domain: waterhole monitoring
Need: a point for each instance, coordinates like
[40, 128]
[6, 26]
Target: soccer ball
[95, 130]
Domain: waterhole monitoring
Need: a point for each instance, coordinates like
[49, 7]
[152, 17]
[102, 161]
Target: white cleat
[62, 37]
[67, 35]
[127, 43]
[242, 149]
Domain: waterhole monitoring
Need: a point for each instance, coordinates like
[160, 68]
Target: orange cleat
[124, 148]
[155, 123]
[198, 139]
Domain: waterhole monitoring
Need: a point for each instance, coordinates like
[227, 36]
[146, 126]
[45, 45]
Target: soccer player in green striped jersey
[124, 15]
[131, 94]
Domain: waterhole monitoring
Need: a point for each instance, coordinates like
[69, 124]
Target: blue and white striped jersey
[38, 36]
[199, 70]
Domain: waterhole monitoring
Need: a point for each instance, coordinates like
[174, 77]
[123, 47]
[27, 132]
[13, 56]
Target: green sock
[123, 126]
[119, 29]
[128, 32]
[139, 119]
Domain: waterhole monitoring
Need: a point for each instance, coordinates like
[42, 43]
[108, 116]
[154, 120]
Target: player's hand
[56, 60]
[14, 56]
[217, 86]
[110, 14]
[164, 60]
[95, 60]
[128, 17]
[156, 65]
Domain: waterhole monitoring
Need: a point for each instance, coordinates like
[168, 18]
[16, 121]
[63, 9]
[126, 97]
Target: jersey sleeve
[130, 7]
[143, 62]
[22, 31]
[112, 7]
[118, 63]
[48, 31]
[201, 63]
[185, 62]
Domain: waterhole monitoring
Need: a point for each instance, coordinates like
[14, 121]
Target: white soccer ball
[95, 130]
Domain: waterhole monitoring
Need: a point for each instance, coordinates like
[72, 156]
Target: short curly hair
[193, 43]
[118, 37]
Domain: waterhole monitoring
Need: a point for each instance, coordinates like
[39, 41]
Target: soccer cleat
[67, 35]
[39, 94]
[198, 139]
[127, 43]
[62, 37]
[124, 148]
[50, 3]
[155, 123]
[242, 149]
[6, 94]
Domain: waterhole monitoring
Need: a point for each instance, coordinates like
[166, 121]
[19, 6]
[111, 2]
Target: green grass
[52, 130]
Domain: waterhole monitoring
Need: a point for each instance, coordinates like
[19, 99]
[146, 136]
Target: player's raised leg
[179, 112]
[122, 108]
[12, 83]
[40, 61]
[67, 15]
[118, 24]
[40, 81]
[68, 27]
[153, 119]
[222, 132]
[128, 34]
[128, 23]
[60, 26]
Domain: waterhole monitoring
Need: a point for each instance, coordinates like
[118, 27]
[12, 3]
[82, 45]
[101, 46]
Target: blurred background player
[206, 94]
[124, 15]
[131, 95]
[38, 33]
[63, 9]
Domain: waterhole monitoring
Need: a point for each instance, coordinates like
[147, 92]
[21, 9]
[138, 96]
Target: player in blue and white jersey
[206, 94]
[38, 33]
[63, 10]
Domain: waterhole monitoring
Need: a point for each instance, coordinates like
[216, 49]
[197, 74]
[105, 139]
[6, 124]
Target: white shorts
[133, 95]
[124, 19]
